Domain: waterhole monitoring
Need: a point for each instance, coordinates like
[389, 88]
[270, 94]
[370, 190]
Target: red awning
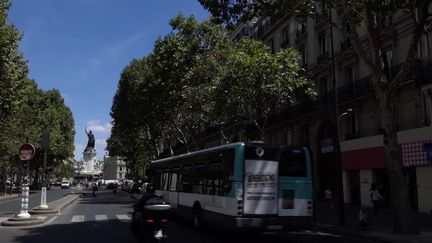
[363, 159]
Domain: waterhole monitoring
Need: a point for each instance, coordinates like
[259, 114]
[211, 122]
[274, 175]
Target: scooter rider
[94, 188]
[138, 214]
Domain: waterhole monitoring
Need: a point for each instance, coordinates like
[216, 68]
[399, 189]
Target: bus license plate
[274, 227]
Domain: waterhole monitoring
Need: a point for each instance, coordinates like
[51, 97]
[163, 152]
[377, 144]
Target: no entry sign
[26, 151]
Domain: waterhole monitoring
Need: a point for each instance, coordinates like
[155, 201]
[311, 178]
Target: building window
[301, 28]
[302, 56]
[349, 126]
[322, 44]
[270, 43]
[320, 7]
[323, 85]
[388, 62]
[408, 114]
[289, 137]
[427, 105]
[285, 37]
[349, 75]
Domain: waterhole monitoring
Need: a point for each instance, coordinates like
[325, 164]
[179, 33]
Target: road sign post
[26, 152]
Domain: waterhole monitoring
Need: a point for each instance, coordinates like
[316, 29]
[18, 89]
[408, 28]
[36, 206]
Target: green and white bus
[239, 186]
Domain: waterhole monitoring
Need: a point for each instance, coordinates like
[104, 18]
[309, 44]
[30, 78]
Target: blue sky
[80, 47]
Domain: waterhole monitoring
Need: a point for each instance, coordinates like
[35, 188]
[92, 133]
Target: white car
[65, 184]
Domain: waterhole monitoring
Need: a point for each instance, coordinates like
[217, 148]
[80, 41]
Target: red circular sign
[26, 151]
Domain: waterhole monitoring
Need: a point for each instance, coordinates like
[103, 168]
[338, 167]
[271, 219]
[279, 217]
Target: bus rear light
[164, 221]
[150, 221]
[239, 202]
[239, 208]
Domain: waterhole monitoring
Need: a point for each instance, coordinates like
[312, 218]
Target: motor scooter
[115, 189]
[149, 222]
[94, 189]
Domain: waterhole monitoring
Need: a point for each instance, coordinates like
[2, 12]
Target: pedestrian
[375, 198]
[328, 197]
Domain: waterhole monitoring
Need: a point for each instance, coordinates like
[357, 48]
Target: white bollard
[24, 202]
[43, 198]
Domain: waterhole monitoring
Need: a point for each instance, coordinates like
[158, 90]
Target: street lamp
[340, 192]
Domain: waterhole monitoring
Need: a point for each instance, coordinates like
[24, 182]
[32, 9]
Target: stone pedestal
[89, 160]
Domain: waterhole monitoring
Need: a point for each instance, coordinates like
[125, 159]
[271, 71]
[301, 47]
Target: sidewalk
[380, 226]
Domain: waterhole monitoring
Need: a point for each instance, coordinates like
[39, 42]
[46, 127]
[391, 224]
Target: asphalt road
[105, 218]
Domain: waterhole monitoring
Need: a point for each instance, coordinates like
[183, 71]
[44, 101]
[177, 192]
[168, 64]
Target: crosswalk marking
[123, 217]
[101, 217]
[98, 217]
[77, 218]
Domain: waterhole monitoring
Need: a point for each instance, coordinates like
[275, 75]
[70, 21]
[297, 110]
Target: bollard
[43, 199]
[24, 202]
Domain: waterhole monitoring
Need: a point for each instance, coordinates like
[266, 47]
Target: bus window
[187, 178]
[174, 179]
[292, 163]
[157, 179]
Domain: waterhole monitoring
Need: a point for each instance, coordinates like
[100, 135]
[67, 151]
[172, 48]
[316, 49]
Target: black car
[111, 185]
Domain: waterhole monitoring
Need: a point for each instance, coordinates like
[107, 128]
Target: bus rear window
[292, 162]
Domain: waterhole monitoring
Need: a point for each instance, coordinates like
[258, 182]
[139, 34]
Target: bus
[240, 186]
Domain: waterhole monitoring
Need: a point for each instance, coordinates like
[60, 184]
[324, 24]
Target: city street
[106, 216]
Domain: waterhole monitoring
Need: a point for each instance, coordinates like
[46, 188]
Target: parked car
[65, 184]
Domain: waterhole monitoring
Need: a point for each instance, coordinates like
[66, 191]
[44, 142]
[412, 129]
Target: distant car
[65, 184]
[111, 185]
[55, 183]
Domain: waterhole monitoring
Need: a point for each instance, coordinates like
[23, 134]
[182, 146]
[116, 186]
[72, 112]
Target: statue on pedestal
[89, 154]
[91, 140]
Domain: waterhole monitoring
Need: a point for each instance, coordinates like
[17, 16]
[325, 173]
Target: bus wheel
[196, 218]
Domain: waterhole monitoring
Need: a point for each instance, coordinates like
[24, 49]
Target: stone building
[114, 168]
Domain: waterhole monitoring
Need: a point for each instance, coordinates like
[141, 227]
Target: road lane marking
[3, 219]
[77, 218]
[123, 217]
[309, 232]
[101, 217]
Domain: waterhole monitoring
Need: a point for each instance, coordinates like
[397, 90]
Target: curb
[373, 235]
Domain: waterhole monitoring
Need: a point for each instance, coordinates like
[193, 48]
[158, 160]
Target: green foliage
[196, 77]
[63, 170]
[25, 110]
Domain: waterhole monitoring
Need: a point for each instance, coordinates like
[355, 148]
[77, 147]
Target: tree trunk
[403, 219]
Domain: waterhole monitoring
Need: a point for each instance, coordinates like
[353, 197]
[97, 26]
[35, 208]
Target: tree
[196, 77]
[13, 70]
[368, 15]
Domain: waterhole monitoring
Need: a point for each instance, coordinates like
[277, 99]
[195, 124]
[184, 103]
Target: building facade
[114, 168]
[312, 124]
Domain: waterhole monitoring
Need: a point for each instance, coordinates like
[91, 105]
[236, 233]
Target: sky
[80, 48]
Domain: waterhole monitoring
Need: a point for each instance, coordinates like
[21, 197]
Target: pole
[340, 191]
[25, 194]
